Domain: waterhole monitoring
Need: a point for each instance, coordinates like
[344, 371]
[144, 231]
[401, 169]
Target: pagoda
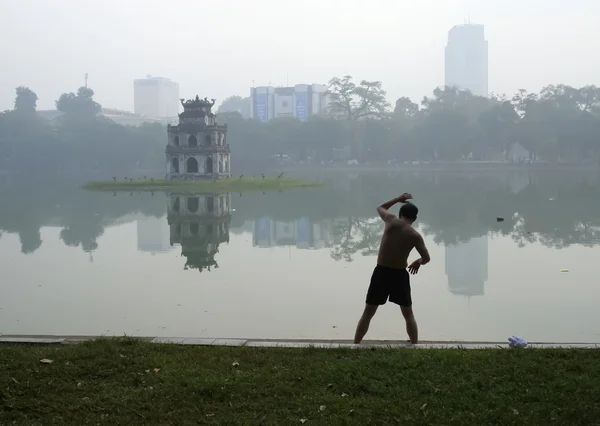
[197, 147]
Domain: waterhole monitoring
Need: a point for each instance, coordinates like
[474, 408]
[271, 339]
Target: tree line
[79, 143]
[558, 124]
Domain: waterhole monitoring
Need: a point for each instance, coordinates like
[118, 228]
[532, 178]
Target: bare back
[398, 240]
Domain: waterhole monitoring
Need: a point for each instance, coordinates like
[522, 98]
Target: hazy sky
[217, 48]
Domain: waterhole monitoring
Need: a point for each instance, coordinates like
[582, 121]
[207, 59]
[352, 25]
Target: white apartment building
[156, 97]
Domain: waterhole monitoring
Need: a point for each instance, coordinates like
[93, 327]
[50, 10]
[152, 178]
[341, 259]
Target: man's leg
[363, 323]
[411, 324]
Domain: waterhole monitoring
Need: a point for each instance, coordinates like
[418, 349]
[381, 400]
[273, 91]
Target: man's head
[409, 212]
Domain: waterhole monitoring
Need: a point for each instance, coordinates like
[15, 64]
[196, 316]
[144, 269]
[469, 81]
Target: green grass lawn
[220, 185]
[130, 382]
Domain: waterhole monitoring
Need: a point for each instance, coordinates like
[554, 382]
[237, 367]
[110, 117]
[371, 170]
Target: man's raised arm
[383, 209]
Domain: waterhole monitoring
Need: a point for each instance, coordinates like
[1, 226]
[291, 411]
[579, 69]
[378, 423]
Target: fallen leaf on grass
[46, 361]
[156, 370]
[303, 421]
[322, 408]
[344, 395]
[235, 364]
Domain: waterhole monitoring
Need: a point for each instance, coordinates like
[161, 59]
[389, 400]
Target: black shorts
[389, 283]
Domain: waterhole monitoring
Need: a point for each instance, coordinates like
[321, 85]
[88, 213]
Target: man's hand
[404, 197]
[414, 267]
[383, 212]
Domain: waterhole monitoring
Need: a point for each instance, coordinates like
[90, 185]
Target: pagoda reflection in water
[199, 223]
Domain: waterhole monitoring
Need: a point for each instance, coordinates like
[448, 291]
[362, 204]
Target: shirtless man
[390, 277]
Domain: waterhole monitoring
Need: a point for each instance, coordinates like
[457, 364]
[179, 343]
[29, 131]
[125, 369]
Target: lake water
[296, 264]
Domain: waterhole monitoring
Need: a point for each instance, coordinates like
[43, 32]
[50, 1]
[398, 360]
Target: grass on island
[234, 184]
[131, 382]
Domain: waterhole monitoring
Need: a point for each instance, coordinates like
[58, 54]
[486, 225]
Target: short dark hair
[409, 211]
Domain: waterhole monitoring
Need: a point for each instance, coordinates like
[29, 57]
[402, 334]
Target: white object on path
[517, 342]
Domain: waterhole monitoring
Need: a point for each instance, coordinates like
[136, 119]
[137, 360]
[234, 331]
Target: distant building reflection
[467, 267]
[517, 182]
[199, 223]
[302, 233]
[153, 235]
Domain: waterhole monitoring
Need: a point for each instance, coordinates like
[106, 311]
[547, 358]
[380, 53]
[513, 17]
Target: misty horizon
[223, 49]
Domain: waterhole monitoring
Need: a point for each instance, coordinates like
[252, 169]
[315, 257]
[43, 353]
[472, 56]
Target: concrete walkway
[329, 344]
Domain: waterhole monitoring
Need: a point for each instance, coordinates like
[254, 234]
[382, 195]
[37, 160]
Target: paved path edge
[328, 344]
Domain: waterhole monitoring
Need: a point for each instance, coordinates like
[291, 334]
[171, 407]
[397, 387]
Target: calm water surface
[296, 264]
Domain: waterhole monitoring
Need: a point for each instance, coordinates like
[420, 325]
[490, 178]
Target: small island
[198, 159]
[239, 184]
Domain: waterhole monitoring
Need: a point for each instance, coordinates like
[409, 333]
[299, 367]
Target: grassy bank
[222, 185]
[132, 382]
